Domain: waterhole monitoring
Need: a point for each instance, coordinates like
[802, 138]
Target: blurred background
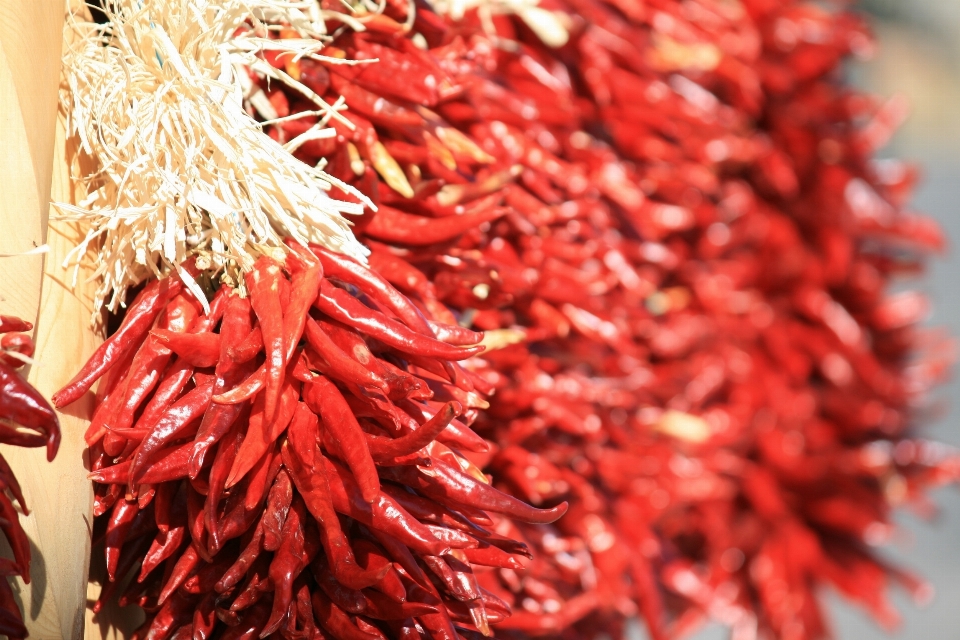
[919, 57]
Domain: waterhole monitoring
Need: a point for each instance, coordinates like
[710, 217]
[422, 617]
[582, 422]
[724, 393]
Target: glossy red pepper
[136, 324]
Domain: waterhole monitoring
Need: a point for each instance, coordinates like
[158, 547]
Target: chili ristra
[26, 420]
[262, 512]
[676, 220]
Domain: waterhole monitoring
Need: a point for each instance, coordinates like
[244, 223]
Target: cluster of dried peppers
[673, 235]
[677, 218]
[26, 420]
[289, 462]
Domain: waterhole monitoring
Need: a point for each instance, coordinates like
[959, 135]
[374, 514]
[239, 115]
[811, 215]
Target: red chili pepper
[248, 348]
[393, 225]
[249, 554]
[287, 564]
[199, 349]
[18, 343]
[386, 448]
[21, 404]
[263, 431]
[323, 398]
[338, 364]
[16, 538]
[343, 307]
[375, 286]
[350, 600]
[335, 620]
[263, 283]
[316, 494]
[189, 408]
[250, 624]
[278, 505]
[11, 323]
[11, 623]
[136, 323]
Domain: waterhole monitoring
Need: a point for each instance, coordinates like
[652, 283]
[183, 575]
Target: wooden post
[35, 156]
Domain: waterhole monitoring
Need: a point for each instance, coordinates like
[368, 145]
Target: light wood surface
[30, 41]
[35, 167]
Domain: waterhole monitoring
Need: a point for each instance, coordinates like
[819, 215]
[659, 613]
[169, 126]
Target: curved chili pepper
[448, 484]
[136, 324]
[12, 323]
[340, 305]
[250, 624]
[335, 620]
[132, 553]
[11, 623]
[303, 287]
[204, 618]
[323, 397]
[340, 365]
[350, 600]
[248, 348]
[383, 514]
[263, 283]
[375, 286]
[287, 564]
[163, 547]
[199, 349]
[189, 408]
[278, 505]
[16, 538]
[392, 225]
[371, 556]
[21, 404]
[184, 566]
[15, 343]
[9, 481]
[249, 554]
[216, 482]
[456, 433]
[145, 369]
[374, 106]
[453, 334]
[262, 431]
[386, 448]
[315, 490]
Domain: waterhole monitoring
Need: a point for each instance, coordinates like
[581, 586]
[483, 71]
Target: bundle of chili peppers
[26, 420]
[289, 462]
[676, 218]
[673, 236]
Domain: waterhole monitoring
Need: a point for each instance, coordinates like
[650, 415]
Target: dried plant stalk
[156, 98]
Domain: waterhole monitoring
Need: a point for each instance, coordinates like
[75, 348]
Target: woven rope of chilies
[665, 218]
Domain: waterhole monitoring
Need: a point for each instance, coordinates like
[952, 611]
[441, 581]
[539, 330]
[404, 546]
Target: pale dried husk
[156, 98]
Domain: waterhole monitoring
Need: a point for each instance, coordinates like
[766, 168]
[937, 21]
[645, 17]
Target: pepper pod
[26, 420]
[669, 223]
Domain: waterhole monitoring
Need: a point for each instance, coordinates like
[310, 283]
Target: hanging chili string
[26, 420]
[290, 461]
[677, 217]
